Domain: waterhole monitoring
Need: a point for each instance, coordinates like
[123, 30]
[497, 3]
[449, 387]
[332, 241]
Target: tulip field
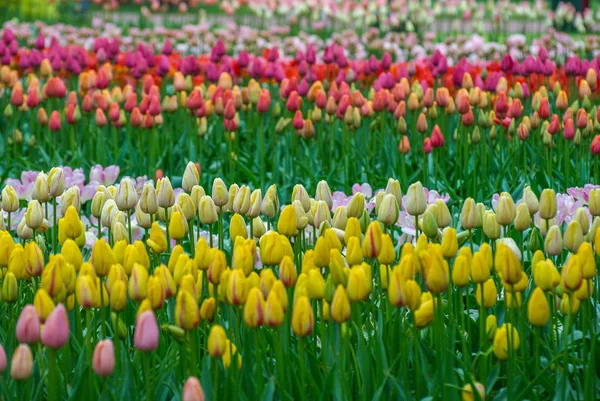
[194, 215]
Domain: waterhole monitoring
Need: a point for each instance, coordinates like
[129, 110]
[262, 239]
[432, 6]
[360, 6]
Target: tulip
[490, 293]
[217, 341]
[126, 198]
[449, 243]
[2, 359]
[10, 200]
[103, 359]
[192, 390]
[178, 226]
[56, 329]
[461, 271]
[340, 306]
[164, 193]
[573, 237]
[157, 243]
[254, 308]
[554, 242]
[414, 201]
[547, 204]
[146, 334]
[28, 326]
[187, 314]
[302, 317]
[538, 310]
[286, 225]
[207, 210]
[371, 245]
[237, 228]
[501, 342]
[207, 309]
[424, 314]
[468, 393]
[191, 176]
[21, 365]
[468, 215]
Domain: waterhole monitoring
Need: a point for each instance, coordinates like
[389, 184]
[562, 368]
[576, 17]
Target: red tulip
[54, 121]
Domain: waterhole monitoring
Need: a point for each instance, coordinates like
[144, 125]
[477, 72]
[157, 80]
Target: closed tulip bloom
[300, 194]
[10, 200]
[34, 216]
[323, 193]
[553, 243]
[44, 305]
[507, 264]
[491, 227]
[572, 274]
[449, 243]
[286, 224]
[207, 309]
[316, 284]
[157, 243]
[28, 326]
[102, 258]
[164, 193]
[340, 305]
[108, 213]
[220, 194]
[271, 249]
[538, 310]
[145, 337]
[103, 359]
[358, 286]
[566, 306]
[302, 317]
[56, 328]
[585, 254]
[436, 276]
[207, 211]
[388, 211]
[581, 216]
[70, 225]
[548, 204]
[138, 283]
[468, 214]
[491, 325]
[480, 270]
[490, 293]
[531, 201]
[187, 314]
[254, 308]
[56, 182]
[429, 225]
[192, 390]
[2, 359]
[217, 267]
[523, 218]
[236, 287]
[21, 364]
[255, 204]
[126, 198]
[424, 315]
[397, 288]
[414, 201]
[469, 395]
[573, 237]
[217, 341]
[371, 245]
[461, 271]
[505, 210]
[594, 202]
[118, 296]
[178, 226]
[86, 292]
[274, 312]
[191, 177]
[34, 259]
[148, 200]
[387, 253]
[501, 341]
[356, 206]
[71, 197]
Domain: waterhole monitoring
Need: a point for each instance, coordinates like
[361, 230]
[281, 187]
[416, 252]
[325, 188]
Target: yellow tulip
[501, 341]
[538, 310]
[302, 317]
[186, 310]
[340, 306]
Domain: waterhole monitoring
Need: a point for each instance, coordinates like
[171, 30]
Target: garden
[299, 200]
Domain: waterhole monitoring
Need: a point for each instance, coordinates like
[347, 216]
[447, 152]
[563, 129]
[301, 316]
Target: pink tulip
[21, 364]
[2, 359]
[103, 360]
[28, 326]
[56, 329]
[192, 390]
[146, 332]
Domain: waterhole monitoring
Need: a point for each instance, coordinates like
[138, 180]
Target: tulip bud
[103, 359]
[547, 204]
[10, 200]
[56, 182]
[126, 198]
[414, 201]
[217, 341]
[501, 343]
[21, 365]
[191, 177]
